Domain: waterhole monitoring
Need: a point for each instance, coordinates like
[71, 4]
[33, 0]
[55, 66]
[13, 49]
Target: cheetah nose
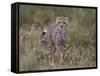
[61, 26]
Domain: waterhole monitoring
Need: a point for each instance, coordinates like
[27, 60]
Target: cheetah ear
[57, 18]
[67, 19]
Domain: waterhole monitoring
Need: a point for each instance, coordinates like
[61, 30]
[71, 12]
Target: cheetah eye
[59, 22]
[64, 22]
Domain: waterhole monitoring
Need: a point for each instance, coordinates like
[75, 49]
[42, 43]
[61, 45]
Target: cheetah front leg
[61, 54]
[61, 60]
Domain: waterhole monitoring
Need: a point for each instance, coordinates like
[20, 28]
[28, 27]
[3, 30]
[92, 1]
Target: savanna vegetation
[81, 50]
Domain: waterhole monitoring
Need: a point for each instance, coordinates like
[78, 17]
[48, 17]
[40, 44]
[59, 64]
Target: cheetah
[56, 37]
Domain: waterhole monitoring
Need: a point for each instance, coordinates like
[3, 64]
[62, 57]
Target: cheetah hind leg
[50, 60]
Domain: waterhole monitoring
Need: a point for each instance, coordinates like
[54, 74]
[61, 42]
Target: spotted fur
[56, 38]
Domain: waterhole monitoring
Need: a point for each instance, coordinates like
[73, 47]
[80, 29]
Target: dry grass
[80, 53]
[81, 50]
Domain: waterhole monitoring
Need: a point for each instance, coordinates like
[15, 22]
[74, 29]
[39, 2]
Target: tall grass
[81, 49]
